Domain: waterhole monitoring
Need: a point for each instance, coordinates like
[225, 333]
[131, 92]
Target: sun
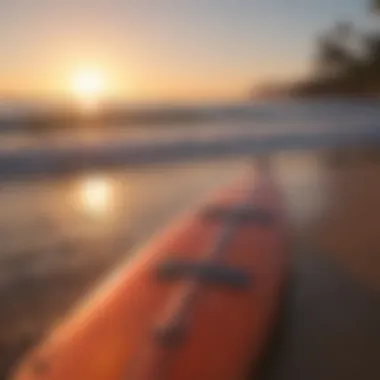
[88, 85]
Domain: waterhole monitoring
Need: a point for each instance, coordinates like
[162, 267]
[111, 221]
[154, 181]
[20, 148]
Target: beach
[60, 238]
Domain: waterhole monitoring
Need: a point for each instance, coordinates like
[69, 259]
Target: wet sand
[331, 326]
[56, 244]
[60, 237]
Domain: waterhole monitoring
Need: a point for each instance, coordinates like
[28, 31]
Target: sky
[162, 49]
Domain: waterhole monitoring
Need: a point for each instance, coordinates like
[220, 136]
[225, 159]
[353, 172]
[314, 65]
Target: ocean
[147, 135]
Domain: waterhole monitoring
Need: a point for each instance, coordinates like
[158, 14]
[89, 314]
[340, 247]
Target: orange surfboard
[199, 302]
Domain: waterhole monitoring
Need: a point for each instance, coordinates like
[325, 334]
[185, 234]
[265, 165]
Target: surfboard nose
[198, 303]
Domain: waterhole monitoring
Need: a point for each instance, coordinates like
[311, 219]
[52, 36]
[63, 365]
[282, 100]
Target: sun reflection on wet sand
[96, 196]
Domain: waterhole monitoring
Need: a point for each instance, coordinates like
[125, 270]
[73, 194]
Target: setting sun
[88, 85]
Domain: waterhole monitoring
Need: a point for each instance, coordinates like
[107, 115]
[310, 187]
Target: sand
[330, 327]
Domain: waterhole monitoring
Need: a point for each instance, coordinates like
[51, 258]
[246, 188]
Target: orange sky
[150, 50]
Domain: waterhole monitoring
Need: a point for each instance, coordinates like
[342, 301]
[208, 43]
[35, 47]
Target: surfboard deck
[198, 302]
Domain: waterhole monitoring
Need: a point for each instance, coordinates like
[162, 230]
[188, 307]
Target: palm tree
[336, 52]
[376, 5]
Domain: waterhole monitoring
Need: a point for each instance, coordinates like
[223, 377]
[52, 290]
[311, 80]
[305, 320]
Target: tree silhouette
[347, 62]
[335, 53]
[376, 5]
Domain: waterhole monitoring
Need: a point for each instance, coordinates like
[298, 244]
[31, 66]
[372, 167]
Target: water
[60, 234]
[217, 130]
